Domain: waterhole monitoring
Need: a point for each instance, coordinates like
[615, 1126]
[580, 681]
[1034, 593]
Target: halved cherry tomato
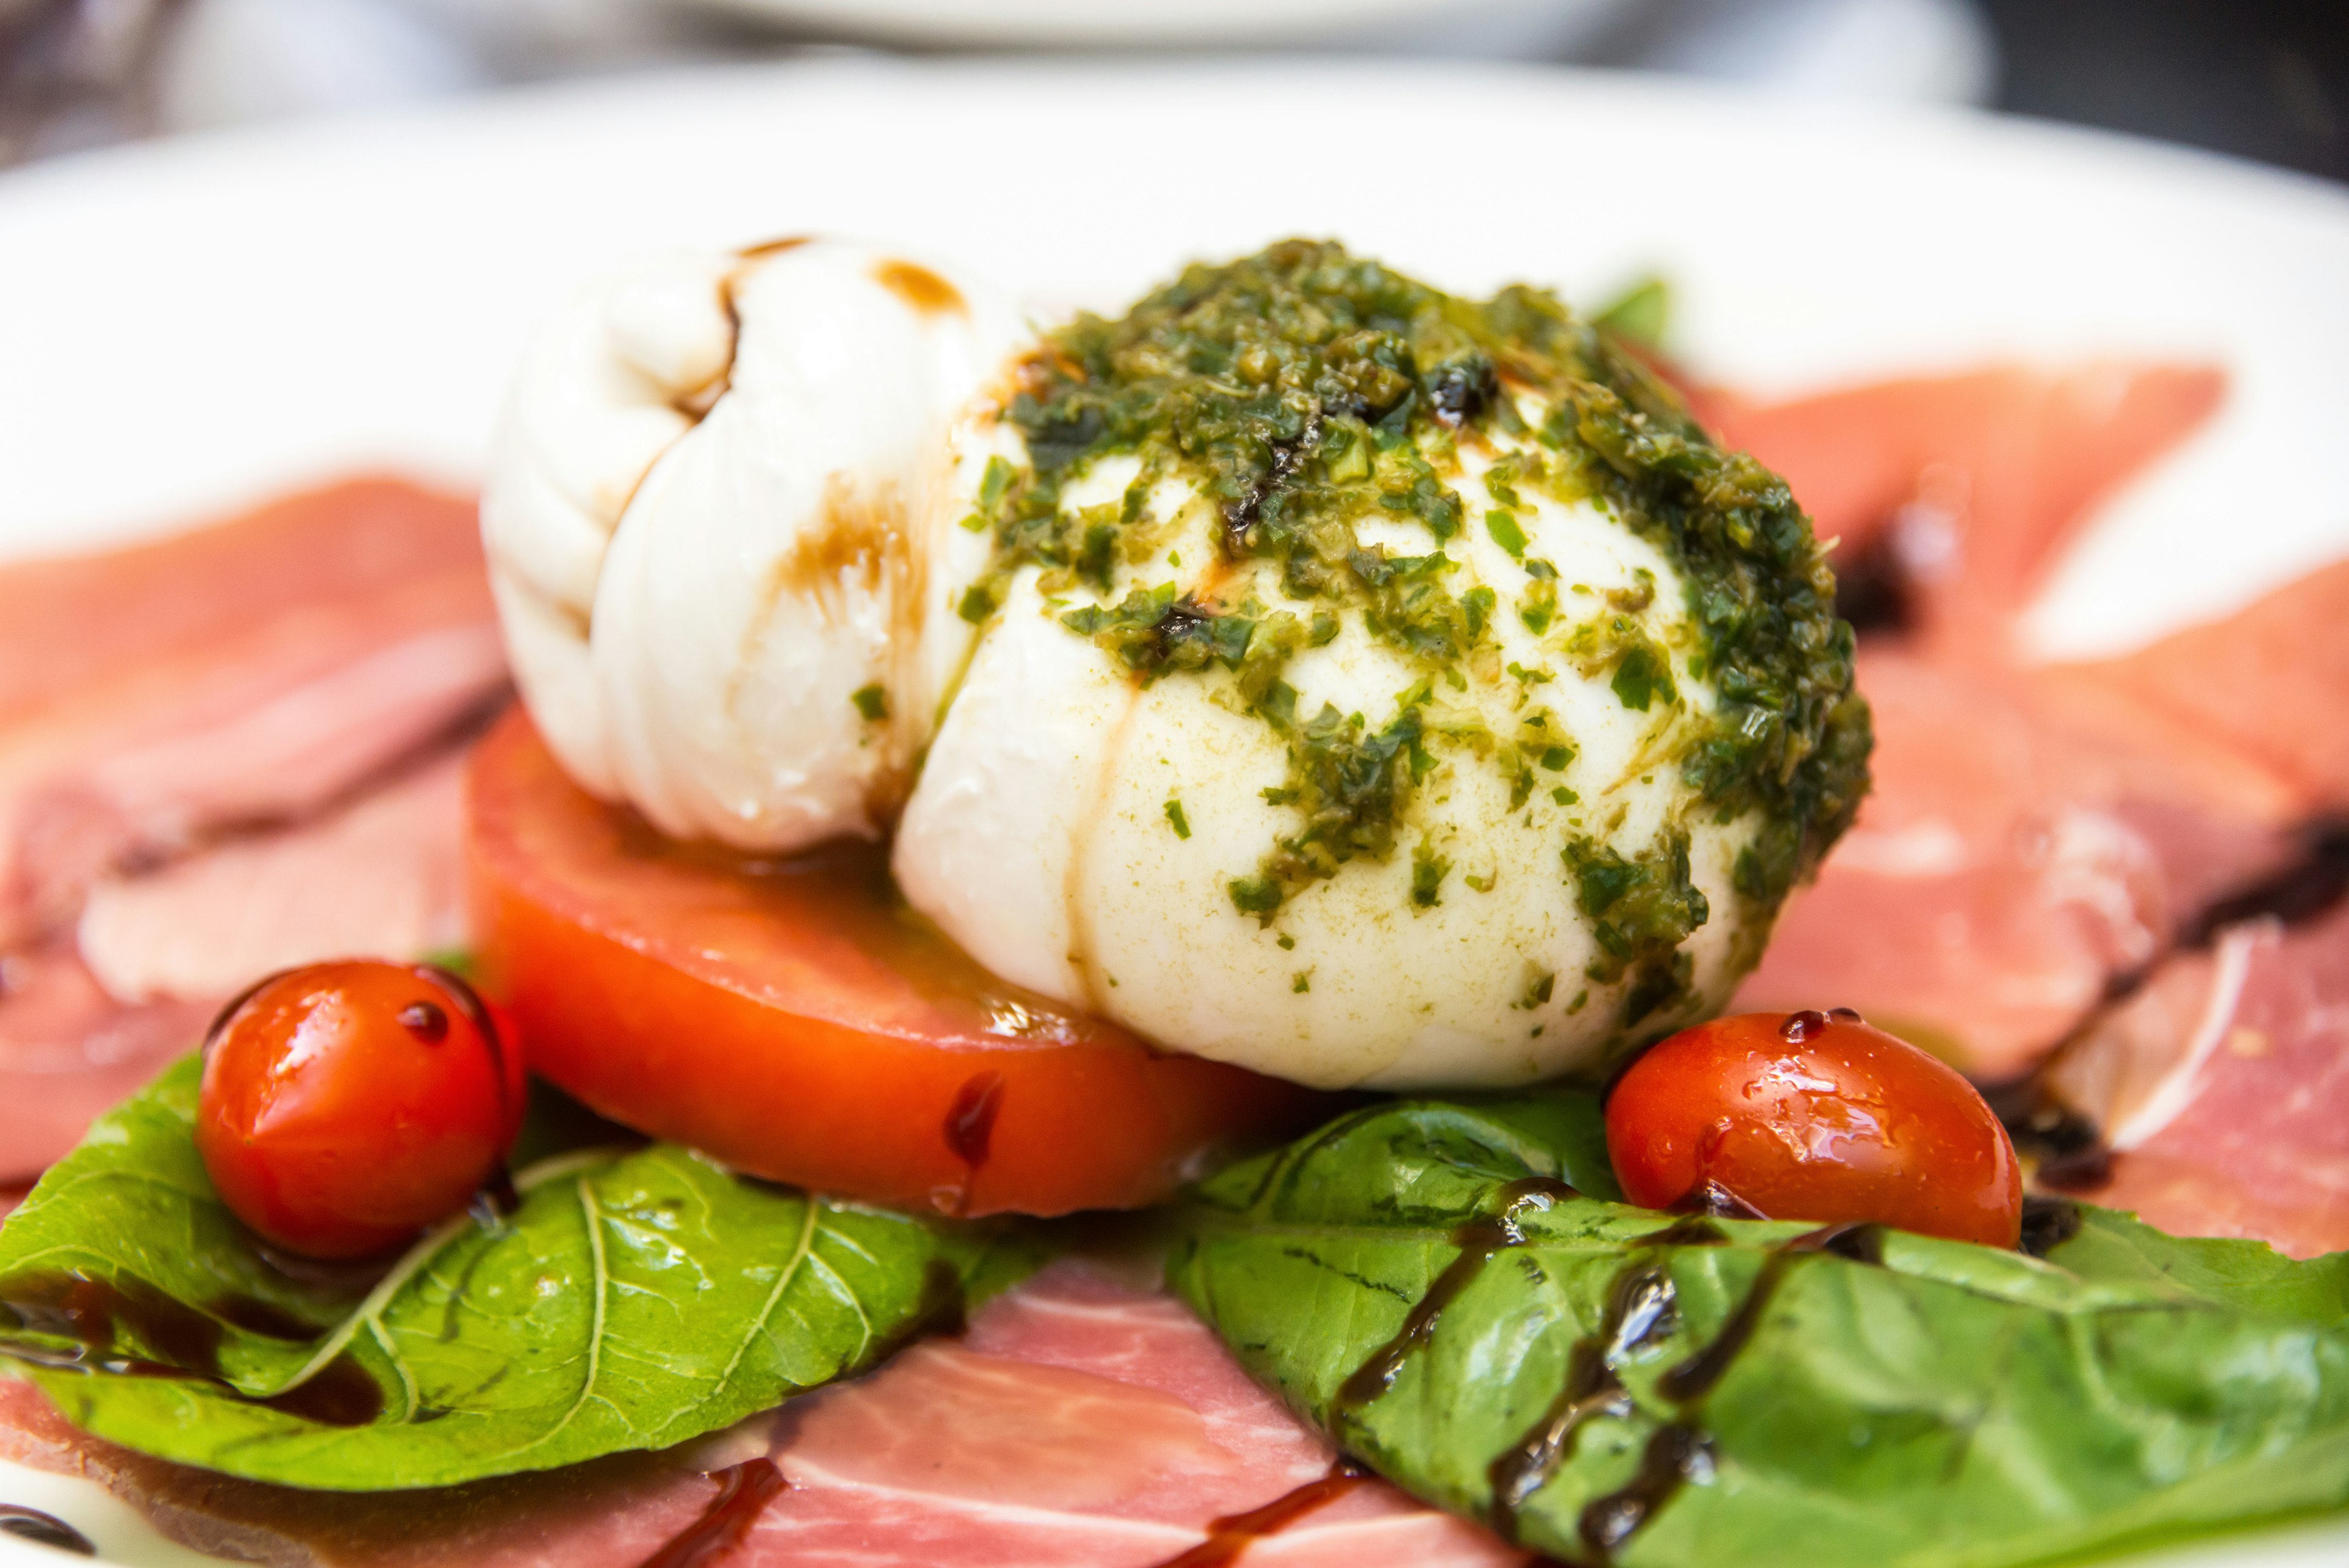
[347, 1106]
[793, 1019]
[1812, 1115]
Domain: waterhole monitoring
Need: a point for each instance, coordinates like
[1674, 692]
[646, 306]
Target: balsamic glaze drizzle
[496, 1202]
[44, 1530]
[2047, 1224]
[1674, 1456]
[2067, 1151]
[743, 1493]
[2299, 892]
[184, 1343]
[1711, 1198]
[969, 1126]
[1234, 1532]
[1693, 1378]
[1641, 1304]
[1480, 1242]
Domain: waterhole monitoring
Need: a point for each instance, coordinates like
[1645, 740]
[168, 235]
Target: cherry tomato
[347, 1105]
[795, 1020]
[1813, 1116]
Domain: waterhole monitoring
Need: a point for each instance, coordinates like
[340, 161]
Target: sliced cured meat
[2015, 860]
[1970, 484]
[611, 1514]
[83, 1024]
[2223, 1088]
[68, 1051]
[1987, 895]
[70, 624]
[204, 927]
[1080, 1421]
[344, 632]
[2269, 683]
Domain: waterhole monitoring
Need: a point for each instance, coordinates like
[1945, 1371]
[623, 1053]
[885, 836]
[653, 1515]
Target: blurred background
[2267, 79]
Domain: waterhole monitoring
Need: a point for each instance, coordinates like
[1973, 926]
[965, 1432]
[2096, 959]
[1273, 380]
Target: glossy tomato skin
[795, 1020]
[347, 1105]
[1812, 1115]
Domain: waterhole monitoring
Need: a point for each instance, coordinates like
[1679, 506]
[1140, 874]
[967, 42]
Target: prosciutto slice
[2036, 837]
[68, 1051]
[249, 673]
[1080, 1421]
[2007, 871]
[383, 876]
[217, 758]
[88, 1016]
[2223, 1088]
[1972, 484]
[2268, 684]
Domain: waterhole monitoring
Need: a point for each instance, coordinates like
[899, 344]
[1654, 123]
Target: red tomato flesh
[1811, 1115]
[345, 1106]
[793, 1019]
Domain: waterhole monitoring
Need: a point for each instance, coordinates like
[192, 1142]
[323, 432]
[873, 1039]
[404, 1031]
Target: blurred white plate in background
[1067, 24]
[187, 326]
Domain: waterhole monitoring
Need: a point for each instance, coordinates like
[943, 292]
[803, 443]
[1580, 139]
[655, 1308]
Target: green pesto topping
[872, 701]
[1641, 909]
[1303, 392]
[1540, 985]
[1350, 785]
[1428, 871]
[1175, 817]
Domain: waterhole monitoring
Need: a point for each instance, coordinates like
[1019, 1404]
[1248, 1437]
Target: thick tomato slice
[794, 1020]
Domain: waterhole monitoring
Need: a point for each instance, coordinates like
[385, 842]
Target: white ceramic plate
[187, 326]
[1067, 24]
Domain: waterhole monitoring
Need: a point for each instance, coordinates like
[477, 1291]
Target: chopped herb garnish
[1428, 871]
[1303, 391]
[872, 701]
[1641, 909]
[1182, 824]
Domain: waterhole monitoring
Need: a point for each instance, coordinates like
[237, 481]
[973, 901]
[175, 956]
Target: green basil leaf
[636, 1298]
[1607, 1383]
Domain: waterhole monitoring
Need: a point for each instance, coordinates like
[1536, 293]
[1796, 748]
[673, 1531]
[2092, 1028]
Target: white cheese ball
[792, 559]
[1041, 839]
[721, 538]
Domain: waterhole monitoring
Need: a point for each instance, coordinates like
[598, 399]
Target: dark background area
[2260, 79]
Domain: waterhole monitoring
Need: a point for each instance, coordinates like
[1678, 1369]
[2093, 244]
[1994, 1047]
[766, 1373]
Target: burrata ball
[1307, 669]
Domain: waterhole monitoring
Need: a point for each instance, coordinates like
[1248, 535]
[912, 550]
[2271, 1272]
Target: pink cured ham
[190, 730]
[68, 1051]
[84, 1022]
[206, 926]
[2006, 871]
[251, 672]
[2268, 684]
[1080, 1421]
[1980, 905]
[2223, 1088]
[1975, 482]
[2034, 837]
